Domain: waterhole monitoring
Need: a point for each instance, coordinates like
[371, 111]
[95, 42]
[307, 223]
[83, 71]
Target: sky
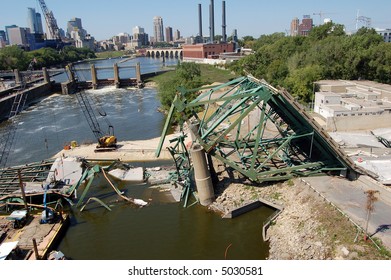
[106, 18]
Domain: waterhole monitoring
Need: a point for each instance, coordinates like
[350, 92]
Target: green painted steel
[259, 131]
[97, 200]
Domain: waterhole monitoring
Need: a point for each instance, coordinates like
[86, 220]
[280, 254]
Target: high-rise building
[74, 25]
[140, 36]
[169, 35]
[138, 30]
[18, 36]
[7, 28]
[39, 23]
[158, 29]
[295, 26]
[177, 35]
[306, 25]
[34, 21]
[303, 28]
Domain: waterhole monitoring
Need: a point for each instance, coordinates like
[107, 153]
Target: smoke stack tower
[224, 25]
[200, 20]
[212, 20]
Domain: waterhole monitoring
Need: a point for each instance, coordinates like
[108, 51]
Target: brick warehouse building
[202, 51]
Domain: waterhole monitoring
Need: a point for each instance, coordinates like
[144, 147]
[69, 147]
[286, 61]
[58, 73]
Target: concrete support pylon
[94, 77]
[202, 175]
[71, 77]
[18, 77]
[116, 76]
[45, 74]
[138, 73]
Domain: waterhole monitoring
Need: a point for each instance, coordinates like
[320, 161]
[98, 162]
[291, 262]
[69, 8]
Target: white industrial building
[349, 105]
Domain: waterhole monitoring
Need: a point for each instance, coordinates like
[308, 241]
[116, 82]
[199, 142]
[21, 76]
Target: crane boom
[50, 21]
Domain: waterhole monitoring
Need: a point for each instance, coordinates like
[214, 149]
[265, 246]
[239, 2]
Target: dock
[46, 236]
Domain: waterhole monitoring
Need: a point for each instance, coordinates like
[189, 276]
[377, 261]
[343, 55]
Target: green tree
[300, 82]
[13, 58]
[187, 75]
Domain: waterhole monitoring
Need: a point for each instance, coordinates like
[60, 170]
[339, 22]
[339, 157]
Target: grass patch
[209, 75]
[341, 231]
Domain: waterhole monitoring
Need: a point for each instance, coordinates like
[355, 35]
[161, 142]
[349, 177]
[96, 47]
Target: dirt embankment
[308, 227]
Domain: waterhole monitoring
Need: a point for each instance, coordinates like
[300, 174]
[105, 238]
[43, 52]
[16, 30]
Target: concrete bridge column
[46, 76]
[138, 73]
[202, 175]
[94, 77]
[70, 86]
[71, 77]
[18, 77]
[116, 76]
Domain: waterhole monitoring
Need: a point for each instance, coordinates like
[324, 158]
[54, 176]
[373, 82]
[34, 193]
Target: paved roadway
[349, 197]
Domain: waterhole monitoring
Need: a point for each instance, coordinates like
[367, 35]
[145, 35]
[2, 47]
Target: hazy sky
[105, 18]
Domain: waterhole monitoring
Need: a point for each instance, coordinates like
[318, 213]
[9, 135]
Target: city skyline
[249, 17]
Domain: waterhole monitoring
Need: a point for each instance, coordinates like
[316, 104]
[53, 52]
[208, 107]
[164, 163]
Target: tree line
[14, 57]
[295, 63]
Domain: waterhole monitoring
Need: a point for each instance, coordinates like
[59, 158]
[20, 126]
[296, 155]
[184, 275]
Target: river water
[163, 230]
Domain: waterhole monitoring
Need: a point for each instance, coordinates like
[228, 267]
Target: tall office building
[177, 35]
[74, 25]
[295, 26]
[140, 36]
[39, 23]
[7, 28]
[34, 21]
[169, 35]
[158, 29]
[303, 28]
[306, 25]
[18, 36]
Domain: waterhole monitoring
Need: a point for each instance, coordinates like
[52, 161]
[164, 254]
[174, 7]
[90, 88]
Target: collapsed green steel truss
[257, 130]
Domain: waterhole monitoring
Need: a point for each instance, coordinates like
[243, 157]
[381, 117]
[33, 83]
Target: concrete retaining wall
[34, 94]
[365, 122]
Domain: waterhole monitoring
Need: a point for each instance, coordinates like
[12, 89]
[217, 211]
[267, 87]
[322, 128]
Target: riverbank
[308, 227]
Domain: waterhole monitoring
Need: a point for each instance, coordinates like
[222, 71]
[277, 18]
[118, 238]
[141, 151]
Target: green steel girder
[258, 131]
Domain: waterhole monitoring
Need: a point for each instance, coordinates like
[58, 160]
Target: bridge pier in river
[72, 85]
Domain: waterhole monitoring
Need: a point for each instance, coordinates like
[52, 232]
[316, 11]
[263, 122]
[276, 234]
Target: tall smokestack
[212, 20]
[224, 26]
[200, 19]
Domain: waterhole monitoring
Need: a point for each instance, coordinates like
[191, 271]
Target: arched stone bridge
[169, 53]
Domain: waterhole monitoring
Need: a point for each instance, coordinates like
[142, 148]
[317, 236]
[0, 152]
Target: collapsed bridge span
[259, 131]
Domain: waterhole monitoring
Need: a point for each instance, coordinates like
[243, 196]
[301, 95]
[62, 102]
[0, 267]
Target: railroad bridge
[165, 52]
